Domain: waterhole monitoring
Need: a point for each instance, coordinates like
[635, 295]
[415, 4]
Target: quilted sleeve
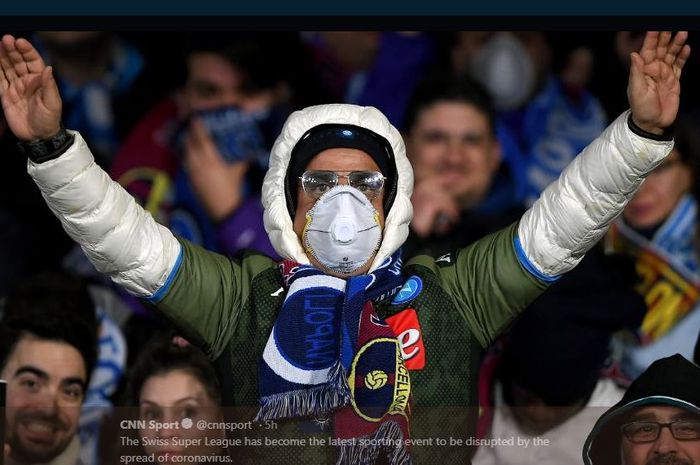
[119, 237]
[574, 212]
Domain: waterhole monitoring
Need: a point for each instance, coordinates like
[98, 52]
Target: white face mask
[504, 67]
[342, 230]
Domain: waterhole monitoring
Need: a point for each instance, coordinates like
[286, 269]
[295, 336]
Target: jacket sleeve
[574, 212]
[123, 241]
[487, 283]
[498, 276]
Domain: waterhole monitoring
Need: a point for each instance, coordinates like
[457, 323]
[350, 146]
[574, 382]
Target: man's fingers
[422, 222]
[648, 51]
[193, 145]
[665, 73]
[16, 59]
[446, 216]
[434, 210]
[30, 55]
[203, 140]
[8, 39]
[45, 82]
[5, 62]
[197, 144]
[424, 213]
[681, 60]
[4, 82]
[33, 84]
[47, 77]
[676, 46]
[49, 89]
[190, 158]
[636, 70]
[19, 87]
[662, 46]
[450, 210]
[197, 133]
[238, 169]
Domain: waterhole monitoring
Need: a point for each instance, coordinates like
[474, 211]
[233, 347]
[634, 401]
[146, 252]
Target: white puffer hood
[279, 225]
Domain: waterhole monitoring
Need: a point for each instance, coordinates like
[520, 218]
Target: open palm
[29, 94]
[654, 85]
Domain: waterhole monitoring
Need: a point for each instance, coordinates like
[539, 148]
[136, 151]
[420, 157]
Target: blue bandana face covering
[237, 134]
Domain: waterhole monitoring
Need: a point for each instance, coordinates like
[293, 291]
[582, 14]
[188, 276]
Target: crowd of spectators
[185, 121]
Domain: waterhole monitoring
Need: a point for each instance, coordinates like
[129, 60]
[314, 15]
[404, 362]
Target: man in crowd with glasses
[344, 342]
[657, 422]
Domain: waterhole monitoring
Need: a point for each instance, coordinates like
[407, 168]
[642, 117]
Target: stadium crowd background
[489, 118]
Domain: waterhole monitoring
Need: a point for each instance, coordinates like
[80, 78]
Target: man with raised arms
[344, 339]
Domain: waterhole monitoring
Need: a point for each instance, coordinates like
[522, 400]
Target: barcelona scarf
[330, 355]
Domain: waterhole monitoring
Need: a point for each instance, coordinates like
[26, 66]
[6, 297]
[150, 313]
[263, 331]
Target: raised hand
[435, 211]
[654, 83]
[29, 93]
[218, 184]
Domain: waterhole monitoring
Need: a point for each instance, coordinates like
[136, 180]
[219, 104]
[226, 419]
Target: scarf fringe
[388, 438]
[319, 400]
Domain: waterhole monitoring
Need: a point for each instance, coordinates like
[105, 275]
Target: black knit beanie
[327, 136]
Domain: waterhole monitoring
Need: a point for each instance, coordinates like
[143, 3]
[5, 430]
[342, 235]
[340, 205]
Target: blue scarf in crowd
[329, 354]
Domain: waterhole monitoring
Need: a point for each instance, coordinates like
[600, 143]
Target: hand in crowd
[218, 184]
[654, 81]
[29, 93]
[435, 210]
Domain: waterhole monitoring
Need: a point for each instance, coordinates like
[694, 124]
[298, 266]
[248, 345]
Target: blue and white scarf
[326, 331]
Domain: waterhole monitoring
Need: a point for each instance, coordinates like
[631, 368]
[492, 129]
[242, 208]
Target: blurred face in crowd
[534, 415]
[454, 143]
[627, 42]
[45, 389]
[214, 82]
[342, 161]
[665, 449]
[578, 69]
[166, 399]
[659, 194]
[79, 57]
[469, 43]
[354, 50]
[69, 37]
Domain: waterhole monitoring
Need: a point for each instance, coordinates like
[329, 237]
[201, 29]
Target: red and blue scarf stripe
[330, 355]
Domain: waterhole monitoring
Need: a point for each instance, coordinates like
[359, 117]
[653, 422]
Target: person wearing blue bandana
[195, 160]
[319, 344]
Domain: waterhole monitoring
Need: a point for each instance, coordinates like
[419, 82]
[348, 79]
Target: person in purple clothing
[369, 68]
[195, 161]
[192, 161]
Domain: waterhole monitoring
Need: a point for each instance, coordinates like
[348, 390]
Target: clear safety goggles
[316, 182]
